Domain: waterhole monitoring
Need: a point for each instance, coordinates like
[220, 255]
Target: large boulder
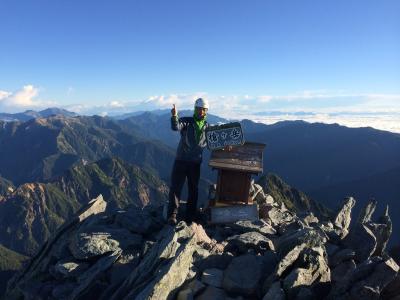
[275, 292]
[366, 281]
[311, 271]
[259, 226]
[275, 216]
[392, 290]
[164, 268]
[140, 220]
[362, 240]
[84, 245]
[307, 236]
[341, 256]
[341, 270]
[213, 277]
[382, 231]
[250, 240]
[343, 217]
[212, 293]
[28, 281]
[243, 275]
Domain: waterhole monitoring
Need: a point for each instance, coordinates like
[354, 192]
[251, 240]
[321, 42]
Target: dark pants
[181, 171]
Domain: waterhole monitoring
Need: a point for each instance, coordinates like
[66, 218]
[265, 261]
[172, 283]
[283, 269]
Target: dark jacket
[189, 149]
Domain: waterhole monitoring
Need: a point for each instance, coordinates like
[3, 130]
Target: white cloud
[182, 101]
[24, 98]
[328, 106]
[116, 104]
[264, 99]
[387, 121]
[4, 95]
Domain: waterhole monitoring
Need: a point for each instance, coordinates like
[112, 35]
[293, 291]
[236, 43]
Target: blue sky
[245, 56]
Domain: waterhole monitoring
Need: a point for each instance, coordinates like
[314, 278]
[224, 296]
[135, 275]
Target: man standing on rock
[188, 159]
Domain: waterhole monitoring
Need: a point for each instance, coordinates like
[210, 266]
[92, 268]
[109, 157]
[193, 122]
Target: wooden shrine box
[235, 168]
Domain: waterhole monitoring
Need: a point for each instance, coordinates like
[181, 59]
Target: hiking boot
[172, 220]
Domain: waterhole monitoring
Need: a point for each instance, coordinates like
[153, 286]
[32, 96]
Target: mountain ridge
[44, 147]
[33, 211]
[32, 114]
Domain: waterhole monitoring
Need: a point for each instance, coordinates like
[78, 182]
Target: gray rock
[243, 275]
[250, 240]
[315, 271]
[43, 259]
[200, 254]
[275, 292]
[382, 232]
[137, 220]
[212, 293]
[60, 249]
[305, 294]
[164, 268]
[331, 249]
[270, 262]
[128, 261]
[392, 290]
[296, 279]
[213, 277]
[186, 294]
[367, 281]
[295, 225]
[343, 217]
[288, 260]
[342, 270]
[362, 241]
[125, 238]
[94, 207]
[214, 261]
[259, 226]
[341, 256]
[331, 231]
[381, 276]
[87, 245]
[276, 216]
[310, 237]
[257, 193]
[129, 256]
[367, 212]
[70, 267]
[86, 279]
[310, 219]
[170, 276]
[192, 273]
[196, 286]
[62, 291]
[269, 199]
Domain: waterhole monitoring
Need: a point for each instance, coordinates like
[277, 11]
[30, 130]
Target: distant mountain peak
[32, 114]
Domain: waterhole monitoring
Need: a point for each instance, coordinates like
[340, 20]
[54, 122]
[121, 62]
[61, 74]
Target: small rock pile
[132, 255]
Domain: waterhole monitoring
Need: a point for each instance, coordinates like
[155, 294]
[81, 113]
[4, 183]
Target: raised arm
[177, 124]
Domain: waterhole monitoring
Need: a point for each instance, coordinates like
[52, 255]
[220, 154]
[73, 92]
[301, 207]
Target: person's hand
[173, 110]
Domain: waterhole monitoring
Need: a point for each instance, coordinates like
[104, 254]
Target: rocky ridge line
[131, 254]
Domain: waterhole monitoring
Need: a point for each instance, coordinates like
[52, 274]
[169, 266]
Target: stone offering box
[232, 201]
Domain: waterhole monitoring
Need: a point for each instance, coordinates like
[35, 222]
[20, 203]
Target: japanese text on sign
[224, 135]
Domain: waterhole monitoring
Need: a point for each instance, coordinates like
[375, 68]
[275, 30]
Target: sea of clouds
[377, 110]
[381, 121]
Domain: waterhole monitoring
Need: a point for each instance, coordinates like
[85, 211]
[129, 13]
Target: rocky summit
[133, 254]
